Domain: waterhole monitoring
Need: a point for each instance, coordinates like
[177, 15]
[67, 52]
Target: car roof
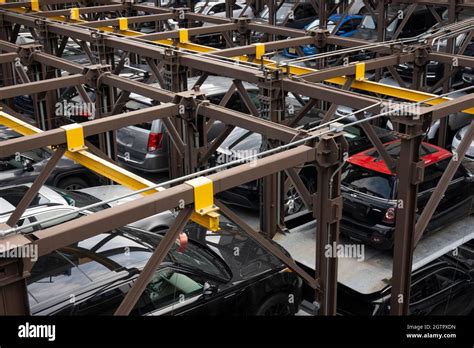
[371, 159]
[16, 192]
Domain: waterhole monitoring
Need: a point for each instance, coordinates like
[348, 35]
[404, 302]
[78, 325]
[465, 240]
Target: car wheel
[277, 305]
[293, 201]
[72, 183]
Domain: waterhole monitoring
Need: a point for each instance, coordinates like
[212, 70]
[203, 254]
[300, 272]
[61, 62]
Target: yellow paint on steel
[360, 72]
[123, 23]
[35, 5]
[259, 50]
[75, 13]
[204, 208]
[183, 35]
[74, 137]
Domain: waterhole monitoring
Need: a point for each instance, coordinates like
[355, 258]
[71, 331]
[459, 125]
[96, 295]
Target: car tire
[292, 194]
[72, 183]
[277, 305]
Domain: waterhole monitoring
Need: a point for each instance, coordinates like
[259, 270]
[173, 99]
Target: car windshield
[367, 23]
[80, 199]
[281, 14]
[11, 197]
[121, 253]
[315, 25]
[368, 181]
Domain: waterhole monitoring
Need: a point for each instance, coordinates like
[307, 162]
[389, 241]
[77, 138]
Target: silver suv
[145, 146]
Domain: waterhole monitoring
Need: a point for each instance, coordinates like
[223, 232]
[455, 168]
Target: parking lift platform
[374, 271]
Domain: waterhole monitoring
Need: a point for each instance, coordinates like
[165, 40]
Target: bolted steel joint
[242, 25]
[320, 37]
[421, 56]
[26, 53]
[330, 150]
[94, 74]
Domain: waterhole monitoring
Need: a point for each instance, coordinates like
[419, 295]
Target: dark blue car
[347, 27]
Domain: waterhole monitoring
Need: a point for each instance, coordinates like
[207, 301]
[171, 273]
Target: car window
[423, 288]
[168, 287]
[56, 215]
[367, 181]
[346, 27]
[13, 196]
[448, 276]
[218, 8]
[11, 163]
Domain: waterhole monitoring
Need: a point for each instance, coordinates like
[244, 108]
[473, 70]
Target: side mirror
[27, 166]
[209, 290]
[211, 13]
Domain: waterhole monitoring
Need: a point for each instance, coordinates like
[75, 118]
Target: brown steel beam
[409, 172]
[255, 124]
[7, 57]
[42, 86]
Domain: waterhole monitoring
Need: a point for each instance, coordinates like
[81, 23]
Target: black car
[421, 20]
[298, 18]
[369, 192]
[434, 71]
[241, 143]
[25, 167]
[224, 274]
[443, 287]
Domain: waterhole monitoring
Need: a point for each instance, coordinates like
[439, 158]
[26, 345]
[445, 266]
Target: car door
[421, 295]
[450, 293]
[16, 169]
[456, 202]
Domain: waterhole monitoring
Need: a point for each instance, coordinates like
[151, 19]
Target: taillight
[155, 141]
[389, 217]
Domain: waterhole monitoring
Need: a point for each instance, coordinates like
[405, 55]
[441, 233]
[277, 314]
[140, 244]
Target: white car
[217, 8]
[51, 202]
[457, 140]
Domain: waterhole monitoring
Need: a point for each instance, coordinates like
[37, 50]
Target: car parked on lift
[241, 143]
[457, 140]
[298, 17]
[347, 27]
[146, 146]
[434, 71]
[420, 21]
[26, 166]
[49, 196]
[369, 192]
[443, 287]
[203, 278]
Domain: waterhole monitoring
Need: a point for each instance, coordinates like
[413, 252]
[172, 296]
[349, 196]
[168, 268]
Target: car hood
[107, 192]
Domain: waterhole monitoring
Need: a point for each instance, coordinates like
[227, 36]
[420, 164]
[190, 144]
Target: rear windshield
[369, 182]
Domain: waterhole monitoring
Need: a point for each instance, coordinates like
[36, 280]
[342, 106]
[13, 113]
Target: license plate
[292, 50]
